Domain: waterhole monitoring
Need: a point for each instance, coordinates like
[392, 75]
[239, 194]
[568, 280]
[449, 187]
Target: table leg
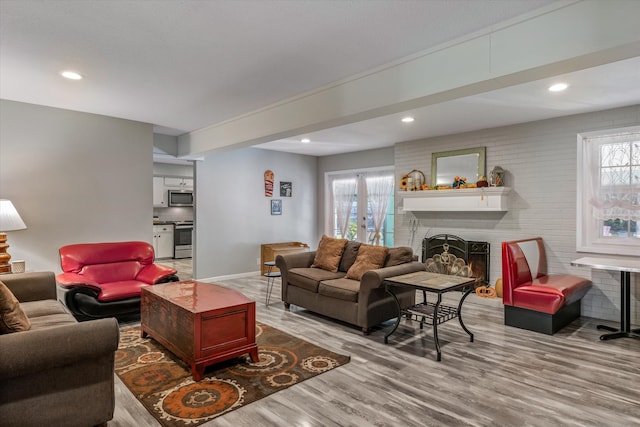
[625, 313]
[466, 294]
[395, 326]
[435, 327]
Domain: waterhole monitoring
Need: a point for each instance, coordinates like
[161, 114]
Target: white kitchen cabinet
[163, 241]
[159, 193]
[178, 183]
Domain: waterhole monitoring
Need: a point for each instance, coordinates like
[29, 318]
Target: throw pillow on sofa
[329, 253]
[369, 258]
[12, 318]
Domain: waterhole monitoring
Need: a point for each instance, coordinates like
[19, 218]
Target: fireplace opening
[450, 254]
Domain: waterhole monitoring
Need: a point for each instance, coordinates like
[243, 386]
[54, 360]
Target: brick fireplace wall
[540, 160]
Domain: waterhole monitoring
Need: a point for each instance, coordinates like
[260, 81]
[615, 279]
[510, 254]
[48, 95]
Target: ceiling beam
[562, 38]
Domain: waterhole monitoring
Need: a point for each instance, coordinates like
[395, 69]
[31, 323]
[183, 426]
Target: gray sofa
[59, 372]
[363, 303]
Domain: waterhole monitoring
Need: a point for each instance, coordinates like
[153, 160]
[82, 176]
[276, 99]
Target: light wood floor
[506, 377]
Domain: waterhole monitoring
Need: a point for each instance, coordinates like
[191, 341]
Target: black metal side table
[271, 277]
[434, 313]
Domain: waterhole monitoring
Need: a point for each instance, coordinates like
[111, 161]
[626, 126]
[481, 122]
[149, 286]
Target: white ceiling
[186, 65]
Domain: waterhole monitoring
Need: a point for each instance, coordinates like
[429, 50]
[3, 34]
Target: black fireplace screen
[449, 254]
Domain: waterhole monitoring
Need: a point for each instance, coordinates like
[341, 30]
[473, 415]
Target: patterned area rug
[164, 385]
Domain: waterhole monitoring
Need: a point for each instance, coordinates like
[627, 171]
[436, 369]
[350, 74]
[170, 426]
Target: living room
[82, 177]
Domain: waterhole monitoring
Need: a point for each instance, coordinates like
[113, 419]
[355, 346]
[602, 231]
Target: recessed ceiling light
[72, 75]
[305, 140]
[558, 87]
[407, 119]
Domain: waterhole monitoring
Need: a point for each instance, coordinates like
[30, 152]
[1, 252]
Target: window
[608, 208]
[360, 206]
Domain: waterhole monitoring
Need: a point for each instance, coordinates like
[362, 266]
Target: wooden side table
[271, 277]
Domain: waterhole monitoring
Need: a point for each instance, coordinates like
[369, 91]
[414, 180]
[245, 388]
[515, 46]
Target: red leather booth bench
[105, 279]
[533, 299]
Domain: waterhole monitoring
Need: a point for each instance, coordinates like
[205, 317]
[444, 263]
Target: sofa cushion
[349, 256]
[344, 289]
[329, 253]
[369, 258]
[399, 255]
[40, 308]
[12, 318]
[309, 278]
[52, 321]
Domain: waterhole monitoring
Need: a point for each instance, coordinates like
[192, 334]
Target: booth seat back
[107, 262]
[522, 262]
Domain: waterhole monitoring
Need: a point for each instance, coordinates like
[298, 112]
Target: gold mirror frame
[464, 157]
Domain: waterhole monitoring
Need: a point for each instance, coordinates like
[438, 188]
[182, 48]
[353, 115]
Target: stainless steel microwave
[180, 198]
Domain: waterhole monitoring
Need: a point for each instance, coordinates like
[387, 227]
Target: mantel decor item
[9, 221]
[276, 207]
[446, 165]
[413, 181]
[497, 176]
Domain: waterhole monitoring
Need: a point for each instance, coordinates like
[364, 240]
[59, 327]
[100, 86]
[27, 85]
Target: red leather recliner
[105, 279]
[533, 299]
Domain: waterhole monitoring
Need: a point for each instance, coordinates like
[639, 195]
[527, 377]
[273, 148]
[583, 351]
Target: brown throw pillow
[329, 253]
[369, 258]
[399, 255]
[12, 318]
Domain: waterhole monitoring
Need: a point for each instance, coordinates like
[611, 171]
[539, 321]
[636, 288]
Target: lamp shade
[9, 217]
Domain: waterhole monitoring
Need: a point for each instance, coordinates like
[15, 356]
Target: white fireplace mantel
[487, 199]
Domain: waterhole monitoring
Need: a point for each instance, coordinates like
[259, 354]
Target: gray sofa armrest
[373, 279]
[295, 260]
[34, 286]
[289, 261]
[29, 352]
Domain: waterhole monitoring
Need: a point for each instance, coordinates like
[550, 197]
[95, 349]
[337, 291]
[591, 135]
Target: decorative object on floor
[268, 182]
[498, 287]
[164, 385]
[285, 189]
[276, 207]
[9, 221]
[485, 292]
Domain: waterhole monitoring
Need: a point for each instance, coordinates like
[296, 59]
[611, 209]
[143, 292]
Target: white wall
[233, 216]
[74, 177]
[540, 158]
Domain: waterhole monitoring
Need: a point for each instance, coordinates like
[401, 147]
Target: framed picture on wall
[276, 207]
[285, 189]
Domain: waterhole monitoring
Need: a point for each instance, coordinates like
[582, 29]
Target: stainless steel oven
[183, 239]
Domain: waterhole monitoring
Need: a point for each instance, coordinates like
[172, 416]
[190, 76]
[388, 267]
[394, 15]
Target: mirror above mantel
[468, 163]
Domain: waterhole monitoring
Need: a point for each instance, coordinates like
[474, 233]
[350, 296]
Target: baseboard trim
[230, 276]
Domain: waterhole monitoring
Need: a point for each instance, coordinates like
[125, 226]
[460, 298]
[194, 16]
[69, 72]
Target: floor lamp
[9, 221]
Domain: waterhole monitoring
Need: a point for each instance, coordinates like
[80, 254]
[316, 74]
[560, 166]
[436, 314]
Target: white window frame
[587, 233]
[329, 208]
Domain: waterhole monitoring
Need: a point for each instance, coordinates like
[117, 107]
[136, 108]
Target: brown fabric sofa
[363, 303]
[59, 372]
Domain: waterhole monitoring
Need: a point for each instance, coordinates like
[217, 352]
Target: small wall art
[285, 189]
[276, 207]
[268, 182]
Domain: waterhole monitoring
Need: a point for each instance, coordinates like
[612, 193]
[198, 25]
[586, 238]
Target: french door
[360, 206]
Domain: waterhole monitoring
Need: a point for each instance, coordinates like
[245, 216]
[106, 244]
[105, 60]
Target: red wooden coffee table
[201, 323]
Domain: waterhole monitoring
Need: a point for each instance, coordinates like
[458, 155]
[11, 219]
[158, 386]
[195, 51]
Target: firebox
[450, 254]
